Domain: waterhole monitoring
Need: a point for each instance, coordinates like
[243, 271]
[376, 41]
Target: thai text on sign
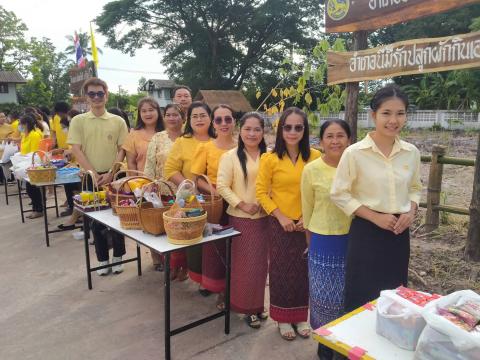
[354, 15]
[404, 58]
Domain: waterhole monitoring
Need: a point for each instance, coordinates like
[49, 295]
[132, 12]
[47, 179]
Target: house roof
[234, 98]
[156, 84]
[12, 77]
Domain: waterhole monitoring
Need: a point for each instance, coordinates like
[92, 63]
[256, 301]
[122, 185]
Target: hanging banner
[408, 57]
[354, 15]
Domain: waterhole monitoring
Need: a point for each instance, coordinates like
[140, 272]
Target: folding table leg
[139, 261]
[19, 185]
[56, 200]
[45, 220]
[5, 183]
[227, 284]
[166, 281]
[86, 235]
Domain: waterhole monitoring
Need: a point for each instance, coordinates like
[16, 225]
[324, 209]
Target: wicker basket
[112, 196]
[128, 215]
[97, 203]
[38, 176]
[183, 231]
[213, 204]
[151, 219]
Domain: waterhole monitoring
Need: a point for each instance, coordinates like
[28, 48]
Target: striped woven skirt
[288, 275]
[326, 267]
[249, 265]
[377, 260]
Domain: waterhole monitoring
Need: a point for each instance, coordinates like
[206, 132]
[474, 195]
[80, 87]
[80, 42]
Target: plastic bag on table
[9, 149]
[443, 339]
[399, 320]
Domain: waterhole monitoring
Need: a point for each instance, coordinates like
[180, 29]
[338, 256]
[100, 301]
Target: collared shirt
[30, 142]
[181, 156]
[320, 214]
[99, 137]
[232, 185]
[206, 159]
[365, 176]
[278, 183]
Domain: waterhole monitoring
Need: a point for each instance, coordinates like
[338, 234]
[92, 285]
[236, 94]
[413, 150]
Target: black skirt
[377, 260]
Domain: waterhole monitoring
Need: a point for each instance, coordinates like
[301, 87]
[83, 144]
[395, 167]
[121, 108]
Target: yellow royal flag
[94, 47]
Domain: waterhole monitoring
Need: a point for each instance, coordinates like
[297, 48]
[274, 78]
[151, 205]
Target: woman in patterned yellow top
[157, 153]
[278, 192]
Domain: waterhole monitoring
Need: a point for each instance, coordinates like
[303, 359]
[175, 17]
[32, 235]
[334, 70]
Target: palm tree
[85, 43]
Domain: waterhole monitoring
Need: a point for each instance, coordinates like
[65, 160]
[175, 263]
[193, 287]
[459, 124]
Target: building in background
[8, 86]
[234, 98]
[160, 90]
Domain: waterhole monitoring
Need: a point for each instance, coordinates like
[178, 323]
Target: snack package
[399, 319]
[447, 335]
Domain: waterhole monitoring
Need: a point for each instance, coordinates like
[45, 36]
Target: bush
[9, 107]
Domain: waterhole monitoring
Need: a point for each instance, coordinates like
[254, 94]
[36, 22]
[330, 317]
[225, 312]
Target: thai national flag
[79, 52]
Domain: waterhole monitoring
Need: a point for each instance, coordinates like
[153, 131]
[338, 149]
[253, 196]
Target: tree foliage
[211, 44]
[13, 47]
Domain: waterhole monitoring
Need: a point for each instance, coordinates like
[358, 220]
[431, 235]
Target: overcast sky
[55, 19]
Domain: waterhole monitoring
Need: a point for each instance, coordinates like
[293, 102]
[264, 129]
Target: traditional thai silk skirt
[377, 260]
[249, 265]
[288, 274]
[326, 270]
[213, 261]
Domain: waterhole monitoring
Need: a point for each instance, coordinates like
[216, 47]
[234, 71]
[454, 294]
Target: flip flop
[286, 331]
[303, 329]
[253, 321]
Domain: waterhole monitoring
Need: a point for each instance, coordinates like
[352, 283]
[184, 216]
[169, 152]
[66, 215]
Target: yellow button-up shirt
[233, 187]
[181, 156]
[30, 142]
[320, 214]
[365, 176]
[206, 159]
[278, 183]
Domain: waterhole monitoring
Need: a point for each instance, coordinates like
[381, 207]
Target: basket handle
[44, 154]
[158, 182]
[89, 173]
[127, 179]
[210, 185]
[137, 172]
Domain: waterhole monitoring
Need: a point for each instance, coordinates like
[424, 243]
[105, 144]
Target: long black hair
[386, 93]
[188, 132]
[242, 156]
[304, 145]
[29, 120]
[159, 126]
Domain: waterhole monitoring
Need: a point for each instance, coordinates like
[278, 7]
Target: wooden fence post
[472, 247]
[434, 188]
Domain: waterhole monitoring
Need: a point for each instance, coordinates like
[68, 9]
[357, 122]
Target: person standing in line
[237, 173]
[205, 162]
[326, 228]
[157, 153]
[96, 138]
[5, 129]
[198, 130]
[378, 181]
[278, 191]
[182, 95]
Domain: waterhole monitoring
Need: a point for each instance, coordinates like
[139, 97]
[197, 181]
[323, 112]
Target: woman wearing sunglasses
[205, 162]
[178, 167]
[237, 173]
[278, 191]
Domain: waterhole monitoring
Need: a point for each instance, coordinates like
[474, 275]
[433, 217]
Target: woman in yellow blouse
[278, 191]
[30, 142]
[236, 178]
[378, 181]
[205, 162]
[198, 130]
[326, 228]
[149, 122]
[158, 150]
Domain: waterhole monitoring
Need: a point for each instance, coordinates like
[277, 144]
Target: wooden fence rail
[433, 206]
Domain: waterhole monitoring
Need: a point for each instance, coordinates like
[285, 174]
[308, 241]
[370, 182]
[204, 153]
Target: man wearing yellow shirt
[59, 134]
[96, 138]
[14, 122]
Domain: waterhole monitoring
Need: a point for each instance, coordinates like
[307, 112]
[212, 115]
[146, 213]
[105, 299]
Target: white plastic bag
[441, 338]
[20, 164]
[9, 149]
[399, 320]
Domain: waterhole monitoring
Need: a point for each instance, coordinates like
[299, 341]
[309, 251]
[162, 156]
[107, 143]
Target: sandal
[303, 329]
[262, 315]
[286, 331]
[221, 302]
[253, 321]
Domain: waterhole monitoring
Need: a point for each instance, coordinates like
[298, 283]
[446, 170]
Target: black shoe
[66, 227]
[67, 212]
